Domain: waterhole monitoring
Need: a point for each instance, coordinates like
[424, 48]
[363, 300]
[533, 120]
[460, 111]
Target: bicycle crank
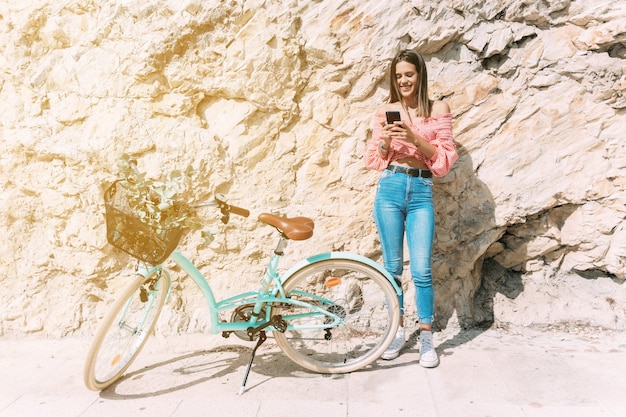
[243, 313]
[276, 321]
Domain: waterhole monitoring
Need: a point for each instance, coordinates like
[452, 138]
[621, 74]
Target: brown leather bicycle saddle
[294, 228]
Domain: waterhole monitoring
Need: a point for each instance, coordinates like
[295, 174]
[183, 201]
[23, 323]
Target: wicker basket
[127, 232]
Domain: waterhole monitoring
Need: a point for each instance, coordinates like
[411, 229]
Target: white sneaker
[393, 351]
[428, 356]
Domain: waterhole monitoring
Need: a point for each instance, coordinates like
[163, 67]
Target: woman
[408, 153]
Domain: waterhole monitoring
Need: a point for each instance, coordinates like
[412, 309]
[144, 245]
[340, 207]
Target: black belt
[411, 172]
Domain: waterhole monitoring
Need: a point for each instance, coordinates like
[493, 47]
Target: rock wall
[278, 96]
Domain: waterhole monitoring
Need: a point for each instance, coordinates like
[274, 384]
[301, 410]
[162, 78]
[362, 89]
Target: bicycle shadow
[179, 373]
[227, 362]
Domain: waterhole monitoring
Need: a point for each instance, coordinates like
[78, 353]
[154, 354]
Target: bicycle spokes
[124, 330]
[341, 316]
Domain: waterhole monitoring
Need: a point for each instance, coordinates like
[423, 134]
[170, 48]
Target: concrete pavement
[482, 373]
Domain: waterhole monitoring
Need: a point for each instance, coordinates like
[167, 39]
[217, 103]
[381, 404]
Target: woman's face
[406, 77]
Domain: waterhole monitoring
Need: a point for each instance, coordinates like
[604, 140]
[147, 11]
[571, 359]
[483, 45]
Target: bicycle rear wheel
[125, 329]
[359, 295]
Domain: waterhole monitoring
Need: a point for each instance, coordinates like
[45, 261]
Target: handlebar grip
[239, 211]
[227, 208]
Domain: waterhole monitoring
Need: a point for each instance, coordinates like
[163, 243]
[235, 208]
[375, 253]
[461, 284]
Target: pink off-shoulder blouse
[437, 130]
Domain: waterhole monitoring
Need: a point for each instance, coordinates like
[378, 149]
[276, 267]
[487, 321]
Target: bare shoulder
[439, 108]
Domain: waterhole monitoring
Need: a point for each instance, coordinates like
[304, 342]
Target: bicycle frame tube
[268, 279]
[266, 294]
[197, 277]
[343, 255]
[258, 297]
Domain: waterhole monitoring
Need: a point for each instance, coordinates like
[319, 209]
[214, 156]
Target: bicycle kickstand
[262, 338]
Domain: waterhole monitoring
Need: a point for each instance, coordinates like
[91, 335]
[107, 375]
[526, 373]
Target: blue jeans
[406, 203]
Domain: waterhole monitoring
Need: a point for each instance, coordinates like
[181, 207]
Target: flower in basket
[166, 204]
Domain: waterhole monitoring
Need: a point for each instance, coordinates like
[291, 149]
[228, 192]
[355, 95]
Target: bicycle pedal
[279, 324]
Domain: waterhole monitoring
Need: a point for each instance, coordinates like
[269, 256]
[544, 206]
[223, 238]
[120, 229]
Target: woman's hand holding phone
[397, 130]
[394, 128]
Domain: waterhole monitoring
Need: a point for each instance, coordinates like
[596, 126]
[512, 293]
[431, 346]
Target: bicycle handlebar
[229, 208]
[220, 201]
[239, 211]
[224, 207]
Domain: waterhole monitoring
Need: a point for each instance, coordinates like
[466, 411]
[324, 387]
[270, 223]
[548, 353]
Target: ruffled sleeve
[438, 132]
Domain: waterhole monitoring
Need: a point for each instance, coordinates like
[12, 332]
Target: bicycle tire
[125, 330]
[355, 291]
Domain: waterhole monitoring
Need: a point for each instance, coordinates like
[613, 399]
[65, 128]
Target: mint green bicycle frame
[271, 291]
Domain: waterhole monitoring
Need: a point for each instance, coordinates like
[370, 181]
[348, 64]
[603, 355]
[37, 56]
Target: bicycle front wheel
[125, 329]
[363, 316]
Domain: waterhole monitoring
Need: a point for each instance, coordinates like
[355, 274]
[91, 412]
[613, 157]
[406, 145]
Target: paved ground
[490, 373]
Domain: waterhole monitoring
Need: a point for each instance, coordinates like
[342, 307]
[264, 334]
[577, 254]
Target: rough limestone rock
[278, 96]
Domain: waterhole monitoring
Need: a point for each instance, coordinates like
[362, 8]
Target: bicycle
[334, 312]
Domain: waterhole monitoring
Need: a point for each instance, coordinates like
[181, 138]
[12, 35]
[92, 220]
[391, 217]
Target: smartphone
[392, 116]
